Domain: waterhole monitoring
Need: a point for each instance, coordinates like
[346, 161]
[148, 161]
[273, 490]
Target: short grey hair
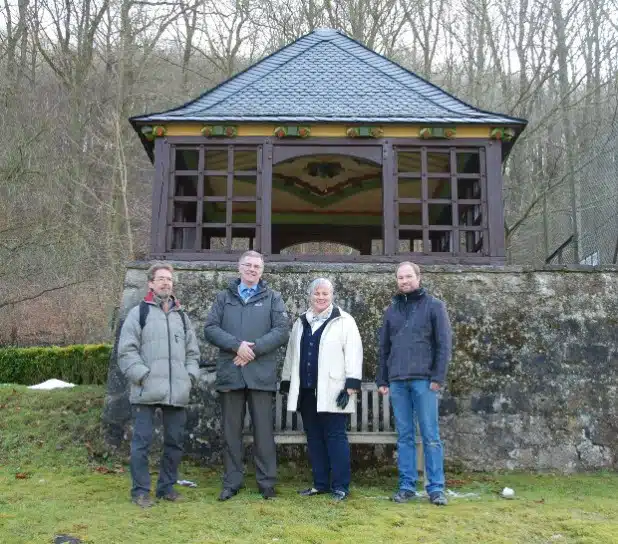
[251, 253]
[156, 267]
[317, 283]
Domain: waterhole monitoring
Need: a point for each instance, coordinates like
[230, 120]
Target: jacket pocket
[227, 373]
[263, 372]
[154, 389]
[182, 386]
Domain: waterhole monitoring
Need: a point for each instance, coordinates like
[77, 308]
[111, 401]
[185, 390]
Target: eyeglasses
[161, 280]
[252, 266]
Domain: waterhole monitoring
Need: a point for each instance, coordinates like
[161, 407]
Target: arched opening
[320, 247]
[333, 200]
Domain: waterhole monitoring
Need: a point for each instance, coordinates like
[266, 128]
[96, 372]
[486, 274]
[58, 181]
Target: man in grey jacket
[415, 350]
[248, 322]
[158, 353]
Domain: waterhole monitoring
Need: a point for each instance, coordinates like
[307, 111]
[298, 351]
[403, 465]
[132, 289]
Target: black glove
[284, 387]
[342, 399]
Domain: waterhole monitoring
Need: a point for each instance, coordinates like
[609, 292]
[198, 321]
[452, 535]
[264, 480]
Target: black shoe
[404, 495]
[311, 492]
[268, 493]
[143, 501]
[339, 495]
[172, 496]
[227, 493]
[438, 498]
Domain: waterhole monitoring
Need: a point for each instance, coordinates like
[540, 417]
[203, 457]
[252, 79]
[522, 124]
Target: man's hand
[383, 390]
[239, 361]
[245, 353]
[435, 386]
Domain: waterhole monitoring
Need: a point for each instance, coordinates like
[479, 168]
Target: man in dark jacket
[158, 353]
[248, 322]
[415, 349]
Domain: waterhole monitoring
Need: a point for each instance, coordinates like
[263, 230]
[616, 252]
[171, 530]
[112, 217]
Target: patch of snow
[51, 384]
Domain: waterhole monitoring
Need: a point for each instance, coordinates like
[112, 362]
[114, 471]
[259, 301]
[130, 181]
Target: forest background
[75, 180]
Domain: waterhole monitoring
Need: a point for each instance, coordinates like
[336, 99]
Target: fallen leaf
[22, 476]
[103, 470]
[455, 482]
[542, 501]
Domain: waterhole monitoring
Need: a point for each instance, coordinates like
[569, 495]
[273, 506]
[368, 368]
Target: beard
[163, 296]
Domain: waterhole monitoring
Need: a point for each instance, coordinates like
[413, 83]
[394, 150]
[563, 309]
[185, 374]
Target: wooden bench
[372, 423]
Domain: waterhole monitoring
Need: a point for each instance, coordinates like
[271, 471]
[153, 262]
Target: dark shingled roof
[326, 76]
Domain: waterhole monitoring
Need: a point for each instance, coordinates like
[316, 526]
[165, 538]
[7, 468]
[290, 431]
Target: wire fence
[554, 234]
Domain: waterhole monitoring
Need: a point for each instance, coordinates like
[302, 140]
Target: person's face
[407, 280]
[251, 269]
[321, 298]
[162, 283]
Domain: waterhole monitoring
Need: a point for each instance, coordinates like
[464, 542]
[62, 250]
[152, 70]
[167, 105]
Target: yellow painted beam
[325, 130]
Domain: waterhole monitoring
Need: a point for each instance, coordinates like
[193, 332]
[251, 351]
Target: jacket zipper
[319, 348]
[169, 351]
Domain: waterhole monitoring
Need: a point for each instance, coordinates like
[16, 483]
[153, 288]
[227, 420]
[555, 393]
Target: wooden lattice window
[214, 199]
[440, 201]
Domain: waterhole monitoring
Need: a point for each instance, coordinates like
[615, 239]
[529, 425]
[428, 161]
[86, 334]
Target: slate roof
[325, 76]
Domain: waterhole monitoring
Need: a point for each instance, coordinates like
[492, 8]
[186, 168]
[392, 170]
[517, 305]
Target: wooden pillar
[495, 211]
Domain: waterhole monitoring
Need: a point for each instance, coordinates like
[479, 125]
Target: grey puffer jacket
[159, 361]
[262, 319]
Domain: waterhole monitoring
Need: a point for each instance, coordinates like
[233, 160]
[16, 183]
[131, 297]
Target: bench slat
[386, 412]
[288, 420]
[364, 411]
[278, 409]
[375, 410]
[299, 423]
[354, 418]
[372, 438]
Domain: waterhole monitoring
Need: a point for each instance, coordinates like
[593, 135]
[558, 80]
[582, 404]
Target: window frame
[491, 198]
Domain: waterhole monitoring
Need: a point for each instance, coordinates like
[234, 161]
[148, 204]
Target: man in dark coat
[248, 322]
[415, 350]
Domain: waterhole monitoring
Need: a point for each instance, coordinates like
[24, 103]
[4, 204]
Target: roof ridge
[237, 76]
[423, 101]
[408, 72]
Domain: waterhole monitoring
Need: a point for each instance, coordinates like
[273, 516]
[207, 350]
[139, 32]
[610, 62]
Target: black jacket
[415, 339]
[261, 319]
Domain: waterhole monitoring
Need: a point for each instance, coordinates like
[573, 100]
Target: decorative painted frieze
[364, 132]
[150, 133]
[292, 131]
[427, 133]
[219, 131]
[504, 134]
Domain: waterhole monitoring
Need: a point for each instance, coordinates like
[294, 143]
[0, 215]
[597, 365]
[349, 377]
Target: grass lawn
[54, 478]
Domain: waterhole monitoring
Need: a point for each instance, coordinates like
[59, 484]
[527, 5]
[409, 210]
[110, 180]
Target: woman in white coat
[321, 374]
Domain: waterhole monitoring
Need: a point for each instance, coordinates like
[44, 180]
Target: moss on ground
[56, 477]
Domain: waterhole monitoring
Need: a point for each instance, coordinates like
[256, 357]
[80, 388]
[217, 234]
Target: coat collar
[150, 298]
[261, 287]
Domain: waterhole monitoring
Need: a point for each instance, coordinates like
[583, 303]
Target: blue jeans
[327, 443]
[412, 400]
[174, 420]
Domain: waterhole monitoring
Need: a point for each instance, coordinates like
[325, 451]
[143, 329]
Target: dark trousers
[174, 420]
[327, 443]
[233, 409]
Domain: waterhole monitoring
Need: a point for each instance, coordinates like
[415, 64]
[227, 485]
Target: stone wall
[534, 375]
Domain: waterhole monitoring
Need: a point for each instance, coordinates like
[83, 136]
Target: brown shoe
[143, 501]
[172, 496]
